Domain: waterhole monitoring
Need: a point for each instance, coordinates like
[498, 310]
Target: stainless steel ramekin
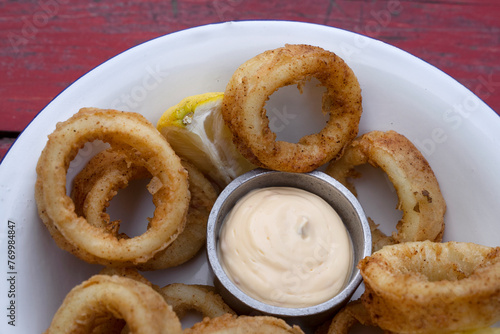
[319, 183]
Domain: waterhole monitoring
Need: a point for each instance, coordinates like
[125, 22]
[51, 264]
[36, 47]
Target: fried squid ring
[98, 182]
[143, 309]
[181, 297]
[428, 287]
[193, 238]
[201, 298]
[145, 146]
[255, 80]
[351, 314]
[108, 171]
[243, 324]
[129, 272]
[417, 188]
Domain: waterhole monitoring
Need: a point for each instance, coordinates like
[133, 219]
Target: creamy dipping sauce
[285, 247]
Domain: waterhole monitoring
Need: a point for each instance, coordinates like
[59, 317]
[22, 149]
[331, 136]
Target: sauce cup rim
[260, 178]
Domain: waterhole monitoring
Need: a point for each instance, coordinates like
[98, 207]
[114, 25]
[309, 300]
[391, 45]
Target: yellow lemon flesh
[196, 131]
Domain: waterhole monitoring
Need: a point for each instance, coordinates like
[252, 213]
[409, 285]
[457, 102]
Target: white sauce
[286, 247]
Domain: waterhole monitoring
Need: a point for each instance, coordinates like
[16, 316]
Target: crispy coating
[351, 314]
[142, 144]
[243, 325]
[108, 171]
[129, 272]
[417, 188]
[201, 298]
[98, 182]
[428, 287]
[181, 297]
[255, 80]
[103, 297]
[193, 238]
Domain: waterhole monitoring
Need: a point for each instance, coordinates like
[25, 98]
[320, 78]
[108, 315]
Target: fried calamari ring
[242, 325]
[379, 239]
[351, 314]
[108, 171]
[107, 323]
[201, 298]
[418, 191]
[255, 80]
[143, 309]
[98, 182]
[427, 287]
[355, 313]
[143, 145]
[128, 272]
[181, 297]
[193, 238]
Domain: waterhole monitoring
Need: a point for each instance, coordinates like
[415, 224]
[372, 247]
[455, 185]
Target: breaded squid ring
[355, 313]
[98, 182]
[108, 171]
[351, 314]
[201, 298]
[145, 146]
[194, 236]
[181, 297]
[128, 272]
[417, 188]
[107, 323]
[243, 324]
[255, 80]
[143, 309]
[429, 287]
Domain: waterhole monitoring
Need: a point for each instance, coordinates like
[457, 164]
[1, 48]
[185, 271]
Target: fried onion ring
[143, 309]
[255, 80]
[242, 325]
[428, 287]
[143, 145]
[201, 298]
[417, 188]
[108, 171]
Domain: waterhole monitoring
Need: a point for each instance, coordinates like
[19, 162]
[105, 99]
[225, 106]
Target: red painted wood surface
[45, 45]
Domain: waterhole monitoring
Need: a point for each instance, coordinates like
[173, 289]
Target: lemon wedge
[196, 131]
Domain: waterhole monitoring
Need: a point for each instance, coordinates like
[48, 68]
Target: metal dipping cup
[319, 183]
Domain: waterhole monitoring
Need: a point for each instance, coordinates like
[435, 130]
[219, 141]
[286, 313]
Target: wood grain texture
[46, 45]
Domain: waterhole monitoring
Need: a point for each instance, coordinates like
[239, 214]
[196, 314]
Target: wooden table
[47, 44]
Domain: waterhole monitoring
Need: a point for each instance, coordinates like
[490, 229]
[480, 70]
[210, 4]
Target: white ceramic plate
[457, 132]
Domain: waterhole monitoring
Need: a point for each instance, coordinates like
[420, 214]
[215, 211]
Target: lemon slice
[196, 131]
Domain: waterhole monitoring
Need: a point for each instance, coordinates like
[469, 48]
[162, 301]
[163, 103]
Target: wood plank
[45, 45]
